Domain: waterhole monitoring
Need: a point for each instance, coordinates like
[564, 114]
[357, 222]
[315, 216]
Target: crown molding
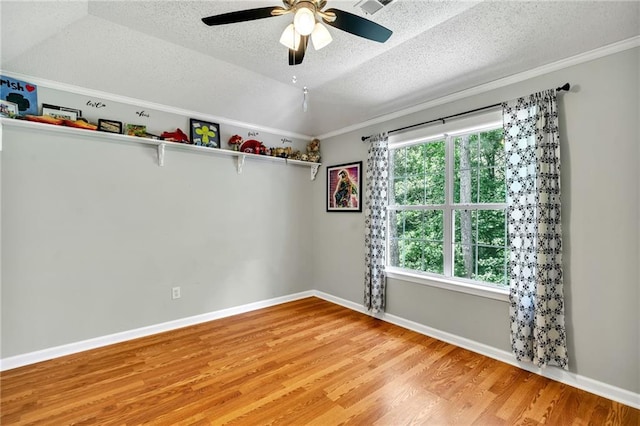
[601, 52]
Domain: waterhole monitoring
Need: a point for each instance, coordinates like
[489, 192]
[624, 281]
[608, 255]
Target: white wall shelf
[160, 144]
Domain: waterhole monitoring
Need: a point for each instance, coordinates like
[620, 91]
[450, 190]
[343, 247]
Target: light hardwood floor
[303, 362]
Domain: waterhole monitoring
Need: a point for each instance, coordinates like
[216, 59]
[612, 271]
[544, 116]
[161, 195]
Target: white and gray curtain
[535, 236]
[376, 201]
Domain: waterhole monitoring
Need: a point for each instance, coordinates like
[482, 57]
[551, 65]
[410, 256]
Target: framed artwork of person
[344, 187]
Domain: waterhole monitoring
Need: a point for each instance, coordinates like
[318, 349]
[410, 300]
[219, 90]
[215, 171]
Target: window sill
[489, 292]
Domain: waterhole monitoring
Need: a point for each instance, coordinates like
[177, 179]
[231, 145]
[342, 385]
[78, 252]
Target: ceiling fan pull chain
[305, 100]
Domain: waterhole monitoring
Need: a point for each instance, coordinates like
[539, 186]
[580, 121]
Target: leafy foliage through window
[447, 207]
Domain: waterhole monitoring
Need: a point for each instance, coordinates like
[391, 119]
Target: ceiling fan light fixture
[309, 20]
[304, 20]
[320, 37]
[290, 37]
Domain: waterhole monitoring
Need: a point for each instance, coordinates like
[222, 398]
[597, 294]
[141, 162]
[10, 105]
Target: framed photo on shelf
[21, 93]
[204, 133]
[344, 187]
[8, 109]
[61, 112]
[136, 130]
[110, 126]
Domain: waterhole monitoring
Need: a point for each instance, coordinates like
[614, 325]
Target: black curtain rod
[566, 87]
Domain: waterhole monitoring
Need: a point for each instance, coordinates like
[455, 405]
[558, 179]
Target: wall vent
[372, 6]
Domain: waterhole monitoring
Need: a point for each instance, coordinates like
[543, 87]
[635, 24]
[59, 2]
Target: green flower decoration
[206, 133]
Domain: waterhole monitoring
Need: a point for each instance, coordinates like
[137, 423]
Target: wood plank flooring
[308, 362]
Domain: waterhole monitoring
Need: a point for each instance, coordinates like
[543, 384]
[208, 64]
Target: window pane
[485, 227]
[491, 227]
[399, 190]
[435, 186]
[492, 185]
[491, 265]
[466, 152]
[434, 152]
[418, 240]
[433, 258]
[479, 245]
[480, 263]
[421, 255]
[465, 222]
[412, 254]
[479, 166]
[491, 149]
[399, 162]
[464, 260]
[415, 190]
[418, 225]
[408, 175]
[465, 182]
[435, 172]
[492, 166]
[465, 186]
[434, 223]
[409, 224]
[418, 174]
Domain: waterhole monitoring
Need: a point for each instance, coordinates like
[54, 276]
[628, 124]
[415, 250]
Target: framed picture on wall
[204, 133]
[344, 187]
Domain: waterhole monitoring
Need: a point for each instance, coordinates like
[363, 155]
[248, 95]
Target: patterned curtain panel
[376, 201]
[535, 236]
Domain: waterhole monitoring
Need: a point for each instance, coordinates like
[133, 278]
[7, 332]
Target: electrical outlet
[175, 293]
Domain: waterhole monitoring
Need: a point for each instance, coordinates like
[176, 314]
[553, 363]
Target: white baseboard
[605, 390]
[85, 345]
[590, 385]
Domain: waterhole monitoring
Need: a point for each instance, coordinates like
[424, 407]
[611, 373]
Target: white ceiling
[160, 51]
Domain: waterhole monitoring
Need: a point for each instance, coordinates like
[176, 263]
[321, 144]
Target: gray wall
[601, 187]
[95, 234]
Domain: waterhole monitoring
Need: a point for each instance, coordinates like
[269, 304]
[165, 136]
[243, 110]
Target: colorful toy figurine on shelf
[235, 141]
[313, 151]
[253, 146]
[177, 136]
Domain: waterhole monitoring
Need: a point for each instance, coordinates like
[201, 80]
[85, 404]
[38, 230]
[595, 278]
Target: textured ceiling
[160, 51]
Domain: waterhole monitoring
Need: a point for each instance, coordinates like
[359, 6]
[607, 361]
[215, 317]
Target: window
[447, 205]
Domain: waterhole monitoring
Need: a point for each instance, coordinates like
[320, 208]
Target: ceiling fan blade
[359, 26]
[296, 56]
[242, 16]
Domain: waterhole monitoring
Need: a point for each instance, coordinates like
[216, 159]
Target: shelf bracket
[240, 159]
[161, 155]
[314, 171]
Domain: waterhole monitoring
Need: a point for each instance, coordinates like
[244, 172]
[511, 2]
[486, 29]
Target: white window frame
[448, 130]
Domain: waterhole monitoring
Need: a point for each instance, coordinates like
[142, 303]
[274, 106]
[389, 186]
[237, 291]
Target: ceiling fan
[306, 24]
